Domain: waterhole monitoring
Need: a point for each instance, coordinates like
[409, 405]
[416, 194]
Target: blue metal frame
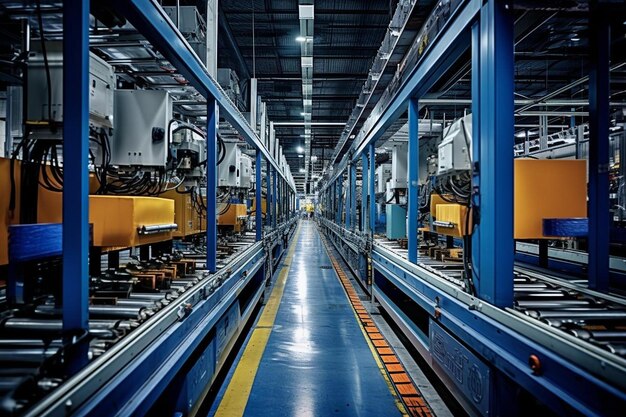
[258, 197]
[364, 191]
[76, 174]
[372, 187]
[599, 150]
[559, 386]
[274, 200]
[493, 166]
[268, 194]
[351, 200]
[412, 180]
[211, 185]
[446, 49]
[339, 198]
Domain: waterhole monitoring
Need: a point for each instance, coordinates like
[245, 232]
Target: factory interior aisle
[307, 354]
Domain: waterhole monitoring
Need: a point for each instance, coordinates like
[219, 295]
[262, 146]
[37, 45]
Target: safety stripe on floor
[400, 383]
[235, 399]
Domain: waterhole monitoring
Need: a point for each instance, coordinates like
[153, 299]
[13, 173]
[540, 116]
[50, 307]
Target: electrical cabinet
[101, 87]
[396, 221]
[399, 157]
[455, 149]
[245, 170]
[229, 170]
[141, 136]
[383, 174]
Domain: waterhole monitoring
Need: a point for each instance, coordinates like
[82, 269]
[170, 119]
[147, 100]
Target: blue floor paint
[317, 362]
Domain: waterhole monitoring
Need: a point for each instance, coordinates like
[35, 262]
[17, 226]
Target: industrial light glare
[302, 170]
[575, 37]
[299, 149]
[301, 39]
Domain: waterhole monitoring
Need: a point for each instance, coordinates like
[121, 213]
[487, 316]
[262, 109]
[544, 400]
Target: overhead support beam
[309, 124]
[599, 215]
[492, 94]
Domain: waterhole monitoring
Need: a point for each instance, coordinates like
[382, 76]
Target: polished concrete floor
[316, 361]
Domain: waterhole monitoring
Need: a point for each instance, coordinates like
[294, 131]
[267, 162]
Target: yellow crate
[263, 206]
[455, 214]
[547, 189]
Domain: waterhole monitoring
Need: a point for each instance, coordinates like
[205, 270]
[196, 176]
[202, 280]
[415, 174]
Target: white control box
[455, 149]
[229, 170]
[399, 157]
[141, 134]
[383, 174]
[246, 171]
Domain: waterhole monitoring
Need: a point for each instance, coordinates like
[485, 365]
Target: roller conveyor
[28, 339]
[563, 305]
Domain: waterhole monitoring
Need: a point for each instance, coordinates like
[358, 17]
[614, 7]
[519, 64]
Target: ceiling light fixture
[575, 37]
[301, 39]
[302, 170]
[299, 149]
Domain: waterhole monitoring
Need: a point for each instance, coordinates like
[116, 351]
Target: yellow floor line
[235, 398]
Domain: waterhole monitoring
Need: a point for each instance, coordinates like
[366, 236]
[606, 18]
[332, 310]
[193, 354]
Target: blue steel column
[274, 200]
[352, 195]
[413, 176]
[339, 198]
[76, 174]
[348, 196]
[258, 197]
[475, 203]
[364, 191]
[495, 162]
[268, 194]
[599, 151]
[372, 187]
[211, 184]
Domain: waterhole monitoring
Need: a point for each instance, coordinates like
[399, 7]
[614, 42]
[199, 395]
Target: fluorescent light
[302, 170]
[299, 149]
[305, 113]
[575, 37]
[306, 11]
[301, 39]
[300, 156]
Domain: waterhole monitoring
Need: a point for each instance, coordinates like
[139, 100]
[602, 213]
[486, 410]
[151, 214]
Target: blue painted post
[412, 180]
[372, 187]
[211, 184]
[599, 45]
[475, 85]
[364, 191]
[348, 197]
[339, 199]
[268, 194]
[495, 170]
[274, 199]
[76, 175]
[352, 182]
[258, 196]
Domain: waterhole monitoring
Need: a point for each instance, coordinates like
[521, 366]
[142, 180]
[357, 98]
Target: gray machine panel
[141, 123]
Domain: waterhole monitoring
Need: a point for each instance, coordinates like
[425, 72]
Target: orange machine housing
[188, 221]
[547, 189]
